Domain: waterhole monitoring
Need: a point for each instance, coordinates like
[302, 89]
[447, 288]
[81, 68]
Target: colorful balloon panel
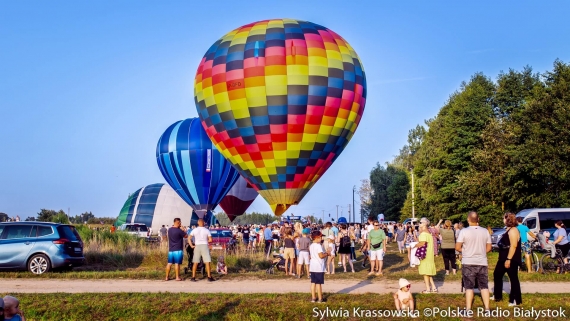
[238, 199]
[280, 99]
[193, 167]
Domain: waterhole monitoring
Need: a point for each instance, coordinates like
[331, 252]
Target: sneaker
[513, 304]
[313, 300]
[322, 301]
[211, 279]
[193, 279]
[353, 260]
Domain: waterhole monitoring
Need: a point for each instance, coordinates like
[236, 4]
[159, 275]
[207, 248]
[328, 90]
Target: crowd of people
[314, 250]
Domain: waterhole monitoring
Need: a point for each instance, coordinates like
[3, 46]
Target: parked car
[137, 229]
[220, 238]
[39, 246]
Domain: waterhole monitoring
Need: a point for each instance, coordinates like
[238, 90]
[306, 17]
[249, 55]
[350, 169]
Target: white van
[543, 219]
[539, 219]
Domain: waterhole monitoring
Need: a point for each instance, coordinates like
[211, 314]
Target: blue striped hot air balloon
[193, 167]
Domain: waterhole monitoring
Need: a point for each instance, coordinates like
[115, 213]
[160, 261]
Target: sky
[87, 88]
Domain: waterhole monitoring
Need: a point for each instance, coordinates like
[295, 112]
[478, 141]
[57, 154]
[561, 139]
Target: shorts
[201, 251]
[377, 255]
[475, 273]
[525, 247]
[289, 253]
[175, 257]
[303, 258]
[318, 277]
[245, 241]
[390, 235]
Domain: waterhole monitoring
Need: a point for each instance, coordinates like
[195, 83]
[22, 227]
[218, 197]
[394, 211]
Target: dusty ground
[241, 286]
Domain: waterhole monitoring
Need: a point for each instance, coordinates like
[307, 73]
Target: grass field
[255, 307]
[119, 255]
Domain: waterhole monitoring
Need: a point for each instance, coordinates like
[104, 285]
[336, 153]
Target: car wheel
[39, 264]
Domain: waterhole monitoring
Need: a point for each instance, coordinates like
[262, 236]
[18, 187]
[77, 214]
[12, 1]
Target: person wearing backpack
[448, 247]
[345, 238]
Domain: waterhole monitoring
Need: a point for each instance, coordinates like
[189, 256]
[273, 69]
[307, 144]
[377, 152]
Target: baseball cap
[403, 283]
[306, 230]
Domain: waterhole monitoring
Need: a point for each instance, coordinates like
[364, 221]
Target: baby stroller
[201, 266]
[231, 248]
[277, 262]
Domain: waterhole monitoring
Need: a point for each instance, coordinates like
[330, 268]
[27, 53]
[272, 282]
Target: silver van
[539, 219]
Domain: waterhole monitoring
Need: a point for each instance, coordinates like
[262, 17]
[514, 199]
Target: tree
[448, 146]
[46, 215]
[365, 193]
[540, 175]
[390, 186]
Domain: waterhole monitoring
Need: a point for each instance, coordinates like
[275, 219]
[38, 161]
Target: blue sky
[87, 88]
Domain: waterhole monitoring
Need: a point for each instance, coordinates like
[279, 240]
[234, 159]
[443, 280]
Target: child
[317, 267]
[403, 297]
[331, 250]
[304, 243]
[222, 268]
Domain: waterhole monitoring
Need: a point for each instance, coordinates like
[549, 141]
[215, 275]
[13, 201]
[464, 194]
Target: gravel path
[241, 286]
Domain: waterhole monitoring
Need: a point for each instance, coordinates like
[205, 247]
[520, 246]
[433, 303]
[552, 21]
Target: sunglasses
[409, 286]
[376, 225]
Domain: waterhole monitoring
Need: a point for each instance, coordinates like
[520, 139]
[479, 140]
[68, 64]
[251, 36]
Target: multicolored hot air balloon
[193, 167]
[238, 199]
[280, 99]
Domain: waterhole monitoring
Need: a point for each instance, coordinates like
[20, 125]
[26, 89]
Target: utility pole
[349, 213]
[323, 222]
[353, 209]
[413, 196]
[337, 213]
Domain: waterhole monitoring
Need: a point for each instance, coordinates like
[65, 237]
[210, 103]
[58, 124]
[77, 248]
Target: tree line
[494, 146]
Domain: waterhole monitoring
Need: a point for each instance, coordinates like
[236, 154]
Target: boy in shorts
[317, 267]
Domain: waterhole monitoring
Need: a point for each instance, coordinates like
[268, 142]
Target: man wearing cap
[304, 244]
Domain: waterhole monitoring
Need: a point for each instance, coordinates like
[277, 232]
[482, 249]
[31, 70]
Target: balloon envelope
[280, 99]
[193, 167]
[154, 205]
[238, 199]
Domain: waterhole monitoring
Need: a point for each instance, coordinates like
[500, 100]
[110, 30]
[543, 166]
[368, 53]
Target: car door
[15, 244]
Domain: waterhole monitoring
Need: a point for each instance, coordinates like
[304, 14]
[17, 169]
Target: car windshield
[223, 233]
[136, 228]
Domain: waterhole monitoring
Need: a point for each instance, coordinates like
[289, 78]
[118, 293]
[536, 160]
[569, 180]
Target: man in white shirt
[474, 242]
[202, 237]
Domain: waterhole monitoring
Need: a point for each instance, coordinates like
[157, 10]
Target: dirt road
[240, 286]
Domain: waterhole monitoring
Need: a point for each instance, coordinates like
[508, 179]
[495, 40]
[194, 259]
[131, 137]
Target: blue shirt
[267, 234]
[523, 230]
[334, 229]
[561, 232]
[17, 317]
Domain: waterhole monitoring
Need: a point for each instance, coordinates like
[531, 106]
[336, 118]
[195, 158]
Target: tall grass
[106, 251]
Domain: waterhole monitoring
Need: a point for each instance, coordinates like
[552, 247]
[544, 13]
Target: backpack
[345, 241]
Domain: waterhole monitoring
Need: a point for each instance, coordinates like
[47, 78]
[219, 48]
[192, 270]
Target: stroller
[277, 262]
[201, 266]
[231, 248]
